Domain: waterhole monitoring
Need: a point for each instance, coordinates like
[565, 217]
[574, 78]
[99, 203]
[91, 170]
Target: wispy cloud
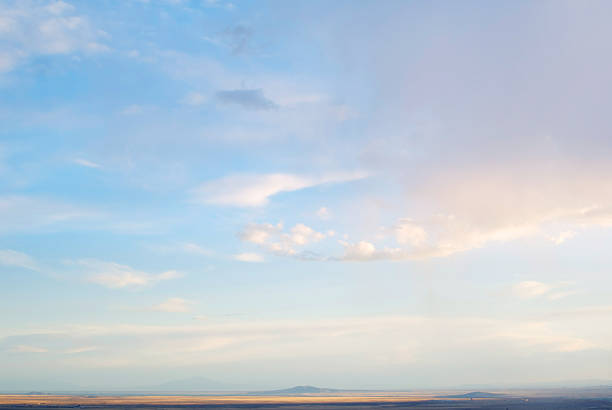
[114, 275]
[86, 163]
[255, 190]
[194, 98]
[190, 247]
[182, 247]
[531, 289]
[429, 337]
[249, 257]
[81, 349]
[173, 305]
[19, 212]
[28, 349]
[134, 109]
[10, 257]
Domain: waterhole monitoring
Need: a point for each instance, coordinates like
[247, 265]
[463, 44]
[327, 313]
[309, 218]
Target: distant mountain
[474, 395]
[297, 390]
[191, 384]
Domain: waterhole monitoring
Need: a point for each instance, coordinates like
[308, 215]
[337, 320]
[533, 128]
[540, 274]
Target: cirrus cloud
[256, 190]
[9, 257]
[117, 276]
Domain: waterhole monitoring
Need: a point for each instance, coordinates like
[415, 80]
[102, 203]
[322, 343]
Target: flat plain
[321, 402]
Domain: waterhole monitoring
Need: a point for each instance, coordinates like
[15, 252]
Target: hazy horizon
[346, 194]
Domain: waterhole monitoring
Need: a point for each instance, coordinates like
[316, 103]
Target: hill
[474, 395]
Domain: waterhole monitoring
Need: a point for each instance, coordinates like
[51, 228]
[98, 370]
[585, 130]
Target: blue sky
[351, 194]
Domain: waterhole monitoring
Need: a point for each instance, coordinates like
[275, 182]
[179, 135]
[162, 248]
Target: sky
[348, 194]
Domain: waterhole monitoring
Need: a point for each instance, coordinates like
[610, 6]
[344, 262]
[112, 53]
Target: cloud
[182, 247]
[302, 235]
[249, 257]
[114, 275]
[562, 237]
[255, 190]
[18, 213]
[247, 99]
[86, 163]
[238, 39]
[260, 233]
[173, 305]
[584, 312]
[229, 6]
[413, 340]
[366, 251]
[82, 349]
[195, 248]
[10, 257]
[470, 209]
[407, 232]
[323, 213]
[194, 98]
[274, 239]
[134, 109]
[531, 289]
[28, 349]
[29, 29]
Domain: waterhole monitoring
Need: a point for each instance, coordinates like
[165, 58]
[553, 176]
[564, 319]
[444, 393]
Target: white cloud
[59, 7]
[274, 239]
[86, 163]
[442, 235]
[562, 237]
[28, 349]
[255, 190]
[361, 250]
[531, 289]
[82, 349]
[303, 235]
[324, 213]
[10, 257]
[195, 248]
[194, 98]
[407, 232]
[365, 251]
[114, 275]
[260, 233]
[182, 247]
[174, 305]
[29, 29]
[249, 257]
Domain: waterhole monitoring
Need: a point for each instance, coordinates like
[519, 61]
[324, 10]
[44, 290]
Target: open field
[366, 401]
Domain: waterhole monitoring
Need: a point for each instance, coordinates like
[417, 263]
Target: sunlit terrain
[599, 398]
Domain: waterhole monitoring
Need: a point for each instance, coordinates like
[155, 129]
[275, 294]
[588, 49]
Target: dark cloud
[249, 99]
[238, 39]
